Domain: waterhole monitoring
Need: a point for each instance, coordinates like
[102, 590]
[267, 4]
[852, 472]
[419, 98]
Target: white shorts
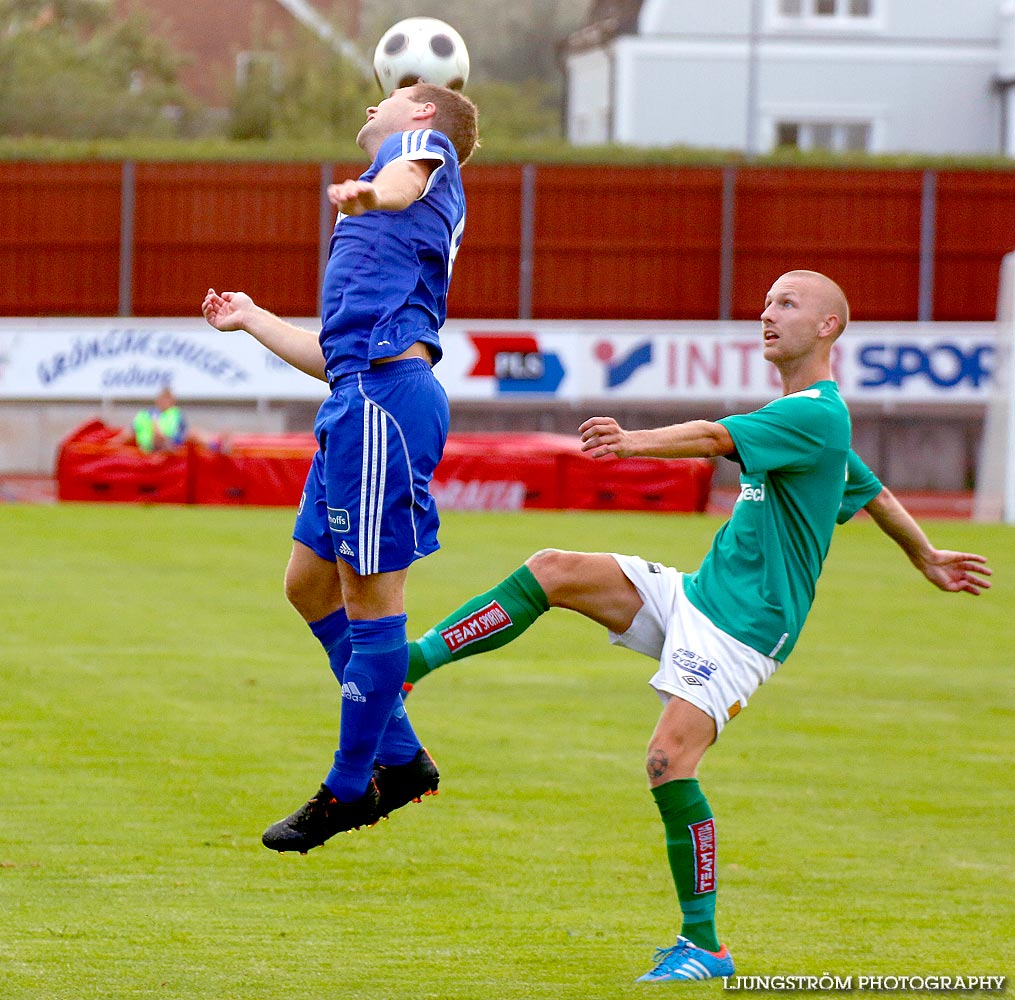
[698, 662]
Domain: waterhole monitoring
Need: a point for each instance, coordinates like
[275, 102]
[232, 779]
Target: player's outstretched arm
[954, 572]
[694, 439]
[238, 311]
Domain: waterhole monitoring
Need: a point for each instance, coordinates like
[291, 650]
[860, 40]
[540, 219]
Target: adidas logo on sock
[345, 549]
[353, 693]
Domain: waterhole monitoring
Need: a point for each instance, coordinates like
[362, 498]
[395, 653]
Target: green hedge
[218, 150]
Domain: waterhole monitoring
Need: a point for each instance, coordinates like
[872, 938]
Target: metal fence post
[928, 246]
[325, 227]
[726, 237]
[127, 206]
[526, 249]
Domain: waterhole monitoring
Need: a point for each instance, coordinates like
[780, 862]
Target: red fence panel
[60, 239]
[486, 278]
[975, 229]
[627, 243]
[860, 227]
[632, 242]
[248, 226]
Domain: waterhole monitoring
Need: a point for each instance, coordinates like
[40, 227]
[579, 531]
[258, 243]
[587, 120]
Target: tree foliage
[73, 69]
[70, 68]
[300, 90]
[512, 113]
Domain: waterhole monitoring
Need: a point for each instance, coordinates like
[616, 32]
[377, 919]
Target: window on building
[822, 135]
[856, 137]
[840, 137]
[787, 135]
[825, 10]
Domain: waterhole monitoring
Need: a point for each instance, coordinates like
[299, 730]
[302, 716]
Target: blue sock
[332, 632]
[371, 688]
[399, 743]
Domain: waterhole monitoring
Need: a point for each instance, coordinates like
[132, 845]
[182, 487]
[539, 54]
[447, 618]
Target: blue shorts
[367, 497]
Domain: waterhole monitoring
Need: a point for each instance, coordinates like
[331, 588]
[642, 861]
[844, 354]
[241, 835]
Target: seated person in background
[163, 427]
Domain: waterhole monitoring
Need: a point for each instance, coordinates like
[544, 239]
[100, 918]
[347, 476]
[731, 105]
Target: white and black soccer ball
[421, 50]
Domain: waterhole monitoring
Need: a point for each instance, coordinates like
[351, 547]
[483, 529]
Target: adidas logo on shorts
[345, 549]
[352, 692]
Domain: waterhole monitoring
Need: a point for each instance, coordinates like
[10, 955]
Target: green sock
[486, 622]
[690, 847]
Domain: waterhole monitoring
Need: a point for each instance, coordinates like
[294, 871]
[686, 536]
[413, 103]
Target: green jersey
[798, 479]
[169, 423]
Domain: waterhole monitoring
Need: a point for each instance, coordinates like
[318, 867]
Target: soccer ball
[421, 50]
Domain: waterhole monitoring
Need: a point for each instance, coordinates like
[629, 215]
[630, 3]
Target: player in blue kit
[366, 513]
[718, 633]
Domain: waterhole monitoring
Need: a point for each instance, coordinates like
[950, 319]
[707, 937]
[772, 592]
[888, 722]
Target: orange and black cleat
[400, 784]
[322, 817]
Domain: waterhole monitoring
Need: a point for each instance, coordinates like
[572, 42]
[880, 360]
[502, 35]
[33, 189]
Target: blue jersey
[386, 283]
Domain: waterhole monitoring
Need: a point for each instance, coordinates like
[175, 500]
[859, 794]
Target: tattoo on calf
[656, 763]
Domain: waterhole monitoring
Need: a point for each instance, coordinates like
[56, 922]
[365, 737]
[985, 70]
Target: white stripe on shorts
[373, 481]
[372, 486]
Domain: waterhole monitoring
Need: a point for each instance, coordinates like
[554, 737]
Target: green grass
[162, 705]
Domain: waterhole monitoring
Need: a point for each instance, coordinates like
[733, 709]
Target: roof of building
[209, 34]
[607, 19]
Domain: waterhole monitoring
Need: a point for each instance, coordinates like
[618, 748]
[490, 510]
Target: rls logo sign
[516, 362]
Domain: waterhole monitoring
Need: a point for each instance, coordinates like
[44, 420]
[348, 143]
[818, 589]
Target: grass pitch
[162, 705]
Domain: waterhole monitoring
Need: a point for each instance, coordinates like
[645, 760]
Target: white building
[882, 76]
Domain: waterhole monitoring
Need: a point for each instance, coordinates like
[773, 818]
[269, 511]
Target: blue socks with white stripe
[369, 659]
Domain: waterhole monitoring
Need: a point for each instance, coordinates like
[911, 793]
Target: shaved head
[832, 298]
[804, 314]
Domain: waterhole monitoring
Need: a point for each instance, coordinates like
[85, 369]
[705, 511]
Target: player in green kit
[720, 632]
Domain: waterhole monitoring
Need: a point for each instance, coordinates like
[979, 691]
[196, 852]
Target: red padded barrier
[637, 483]
[511, 471]
[478, 472]
[266, 470]
[500, 472]
[91, 467]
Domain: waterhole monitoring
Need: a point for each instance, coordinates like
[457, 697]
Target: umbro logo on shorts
[693, 681]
